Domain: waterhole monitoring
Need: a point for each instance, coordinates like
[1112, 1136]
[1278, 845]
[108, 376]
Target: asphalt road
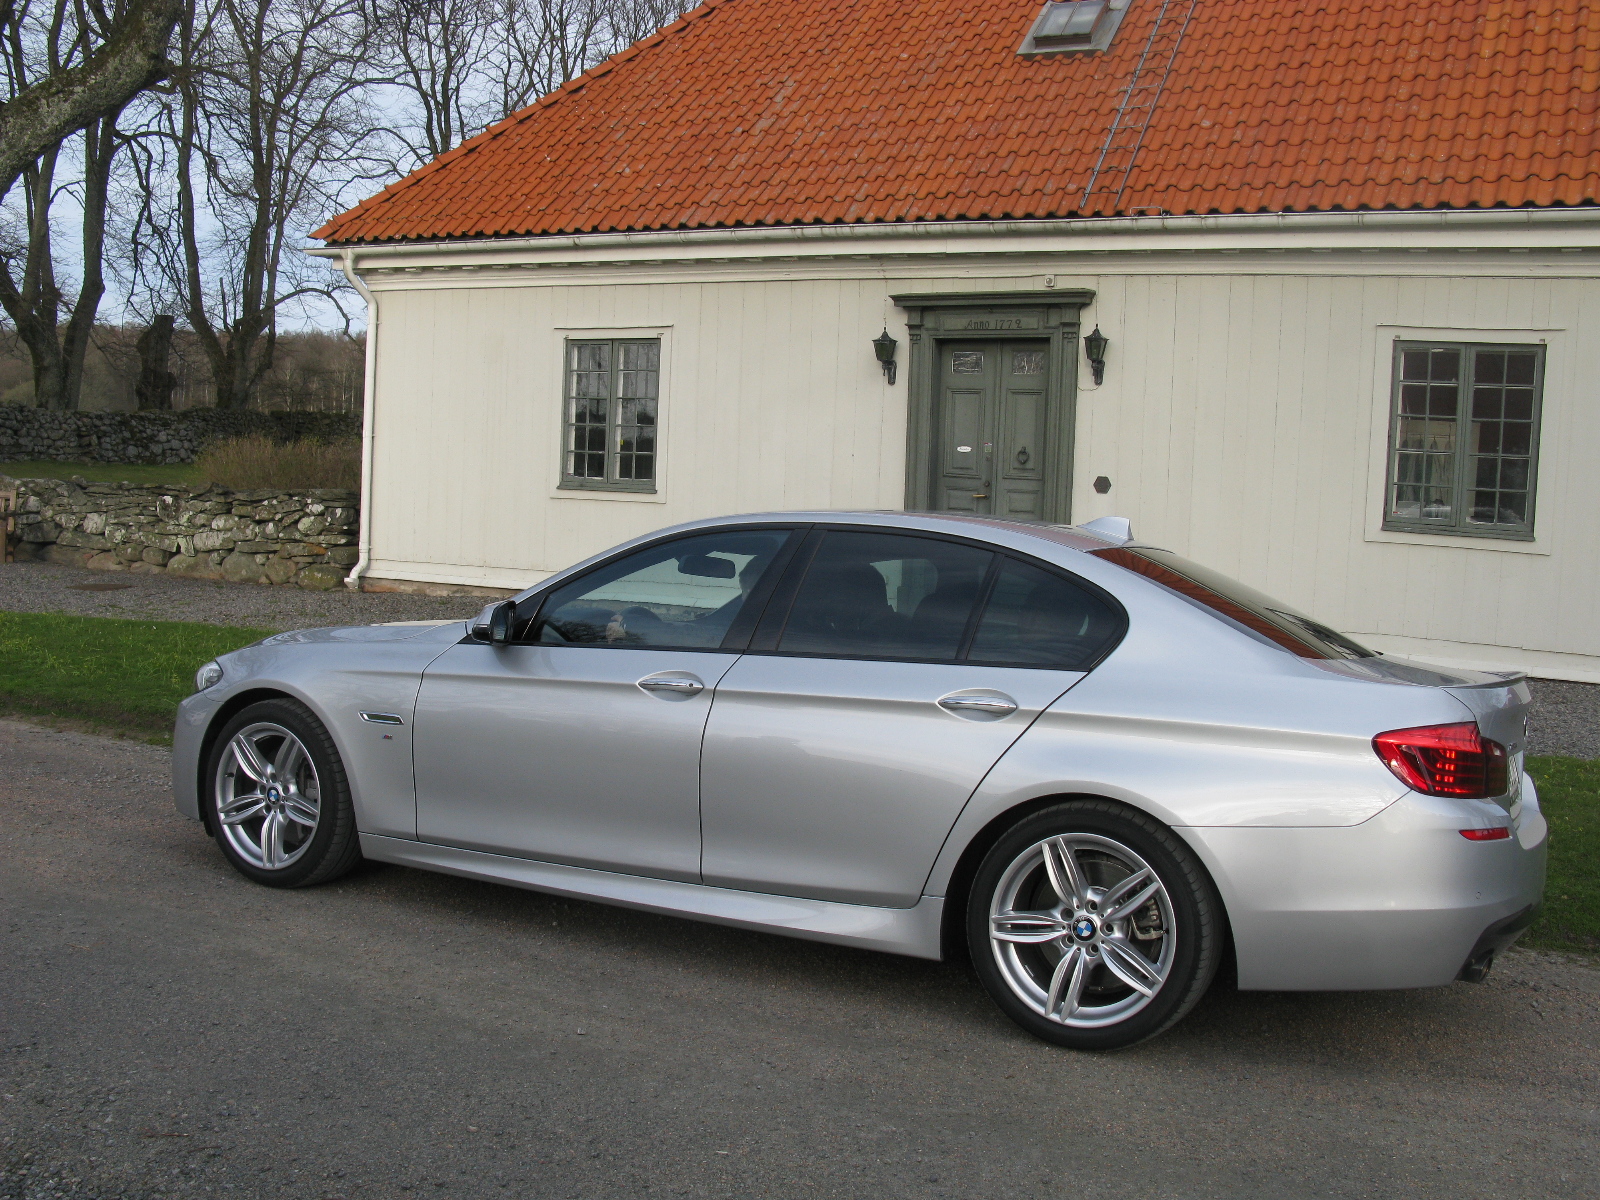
[169, 1029]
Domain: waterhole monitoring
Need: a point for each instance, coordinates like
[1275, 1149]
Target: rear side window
[883, 595]
[1036, 618]
[1228, 598]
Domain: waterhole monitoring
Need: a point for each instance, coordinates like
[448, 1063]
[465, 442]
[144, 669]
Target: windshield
[1261, 615]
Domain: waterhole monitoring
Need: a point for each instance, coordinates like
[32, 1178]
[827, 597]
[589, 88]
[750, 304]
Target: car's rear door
[581, 744]
[841, 748]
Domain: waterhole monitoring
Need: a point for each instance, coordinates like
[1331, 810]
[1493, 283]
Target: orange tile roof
[786, 112]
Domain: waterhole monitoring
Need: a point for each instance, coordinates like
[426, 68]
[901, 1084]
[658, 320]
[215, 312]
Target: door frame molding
[933, 318]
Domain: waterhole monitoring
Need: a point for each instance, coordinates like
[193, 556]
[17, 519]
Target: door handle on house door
[672, 685]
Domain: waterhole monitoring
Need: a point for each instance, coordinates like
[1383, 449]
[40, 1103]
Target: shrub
[247, 463]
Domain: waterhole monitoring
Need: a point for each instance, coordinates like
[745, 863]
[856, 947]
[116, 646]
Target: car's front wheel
[277, 797]
[1093, 926]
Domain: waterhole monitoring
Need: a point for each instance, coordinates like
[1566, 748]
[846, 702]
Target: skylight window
[1069, 26]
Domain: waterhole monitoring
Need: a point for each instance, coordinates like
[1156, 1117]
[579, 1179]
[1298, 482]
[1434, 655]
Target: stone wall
[151, 437]
[305, 538]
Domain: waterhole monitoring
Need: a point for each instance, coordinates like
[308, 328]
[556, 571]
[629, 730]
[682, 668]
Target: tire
[277, 799]
[1063, 971]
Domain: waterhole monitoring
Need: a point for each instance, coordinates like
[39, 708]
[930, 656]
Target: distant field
[176, 473]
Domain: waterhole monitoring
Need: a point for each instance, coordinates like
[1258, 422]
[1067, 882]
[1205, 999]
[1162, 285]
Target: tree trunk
[34, 305]
[99, 145]
[156, 382]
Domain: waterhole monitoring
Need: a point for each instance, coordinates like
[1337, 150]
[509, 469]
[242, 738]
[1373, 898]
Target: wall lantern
[1094, 346]
[884, 346]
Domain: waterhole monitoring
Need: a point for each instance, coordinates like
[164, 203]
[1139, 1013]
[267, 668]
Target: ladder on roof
[1136, 104]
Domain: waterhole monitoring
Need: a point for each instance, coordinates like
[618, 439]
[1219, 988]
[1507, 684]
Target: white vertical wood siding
[1240, 422]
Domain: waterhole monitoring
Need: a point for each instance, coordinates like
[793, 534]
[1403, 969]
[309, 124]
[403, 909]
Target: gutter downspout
[369, 391]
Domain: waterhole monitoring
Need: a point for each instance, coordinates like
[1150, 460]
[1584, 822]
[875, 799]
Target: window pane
[1414, 364]
[1520, 367]
[1036, 618]
[880, 595]
[1490, 367]
[586, 437]
[683, 595]
[636, 439]
[1519, 404]
[1501, 436]
[639, 374]
[1444, 365]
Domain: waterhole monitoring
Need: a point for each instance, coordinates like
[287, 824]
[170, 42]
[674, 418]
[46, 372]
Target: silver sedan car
[1099, 769]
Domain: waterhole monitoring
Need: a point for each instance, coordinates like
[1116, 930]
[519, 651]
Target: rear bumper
[1399, 901]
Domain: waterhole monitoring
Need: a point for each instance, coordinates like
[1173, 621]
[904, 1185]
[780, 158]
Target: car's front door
[581, 743]
[842, 748]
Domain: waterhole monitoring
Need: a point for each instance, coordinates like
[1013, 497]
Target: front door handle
[981, 705]
[672, 685]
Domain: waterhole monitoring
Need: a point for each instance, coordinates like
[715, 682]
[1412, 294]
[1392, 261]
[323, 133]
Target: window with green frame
[612, 394]
[1464, 439]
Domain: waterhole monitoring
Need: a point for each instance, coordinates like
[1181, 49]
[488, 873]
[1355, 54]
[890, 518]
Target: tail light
[1445, 760]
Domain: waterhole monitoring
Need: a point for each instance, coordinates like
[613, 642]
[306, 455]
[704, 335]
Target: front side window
[613, 393]
[681, 595]
[1464, 439]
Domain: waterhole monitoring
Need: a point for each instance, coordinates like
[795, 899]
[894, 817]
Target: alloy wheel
[1082, 929]
[269, 798]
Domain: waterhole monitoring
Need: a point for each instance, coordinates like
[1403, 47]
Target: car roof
[996, 529]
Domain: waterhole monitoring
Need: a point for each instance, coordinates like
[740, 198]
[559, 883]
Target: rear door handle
[990, 705]
[675, 685]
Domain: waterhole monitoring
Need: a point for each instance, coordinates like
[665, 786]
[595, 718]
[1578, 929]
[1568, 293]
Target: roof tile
[869, 110]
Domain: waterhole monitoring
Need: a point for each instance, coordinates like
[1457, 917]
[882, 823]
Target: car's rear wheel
[277, 797]
[1093, 926]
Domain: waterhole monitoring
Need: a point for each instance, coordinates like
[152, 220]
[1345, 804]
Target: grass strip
[124, 676]
[95, 472]
[1569, 793]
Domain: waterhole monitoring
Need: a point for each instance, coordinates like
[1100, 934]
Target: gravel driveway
[169, 1029]
[50, 587]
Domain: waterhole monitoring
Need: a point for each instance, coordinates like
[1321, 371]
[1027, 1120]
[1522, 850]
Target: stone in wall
[267, 537]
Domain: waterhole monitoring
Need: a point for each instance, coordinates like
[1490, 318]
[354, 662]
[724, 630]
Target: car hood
[390, 631]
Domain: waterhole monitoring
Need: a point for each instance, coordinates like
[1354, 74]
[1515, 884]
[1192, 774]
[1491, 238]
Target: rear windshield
[1261, 615]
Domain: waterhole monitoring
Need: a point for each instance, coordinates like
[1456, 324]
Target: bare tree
[67, 70]
[267, 129]
[461, 65]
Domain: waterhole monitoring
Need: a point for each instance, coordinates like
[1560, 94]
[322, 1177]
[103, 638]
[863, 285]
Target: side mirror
[494, 623]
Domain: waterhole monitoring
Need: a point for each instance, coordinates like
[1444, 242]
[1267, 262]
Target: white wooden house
[1344, 261]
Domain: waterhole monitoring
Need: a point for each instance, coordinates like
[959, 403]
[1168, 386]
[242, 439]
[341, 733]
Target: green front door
[991, 422]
